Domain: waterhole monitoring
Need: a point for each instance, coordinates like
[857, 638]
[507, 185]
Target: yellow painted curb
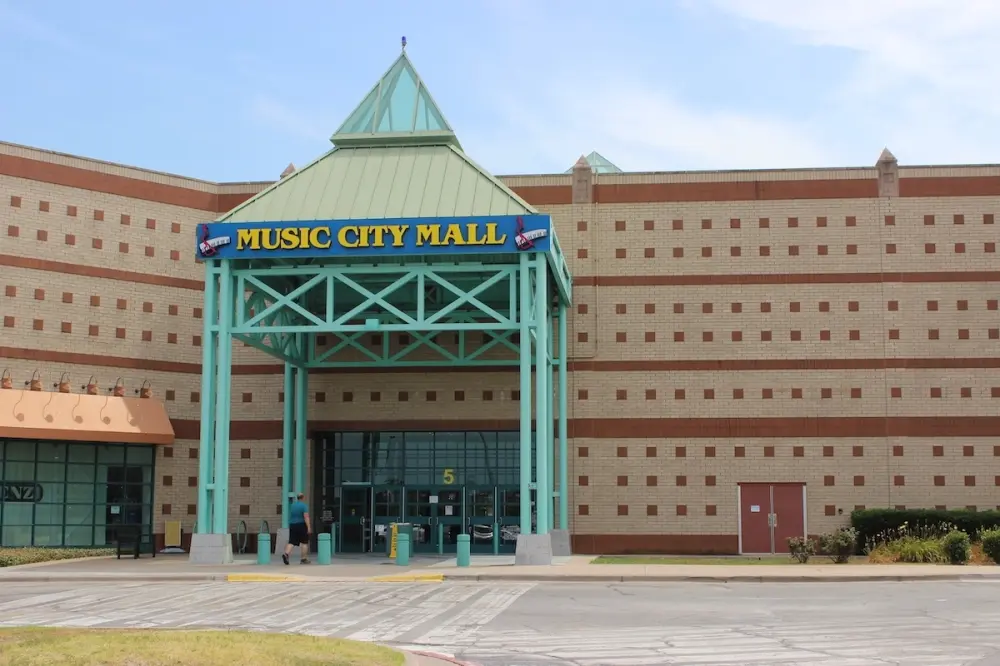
[408, 578]
[262, 578]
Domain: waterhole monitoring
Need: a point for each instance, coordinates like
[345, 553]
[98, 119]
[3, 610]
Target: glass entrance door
[482, 514]
[450, 515]
[355, 519]
[510, 517]
[420, 514]
[387, 509]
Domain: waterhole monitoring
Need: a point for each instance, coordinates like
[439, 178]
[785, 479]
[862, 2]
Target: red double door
[770, 513]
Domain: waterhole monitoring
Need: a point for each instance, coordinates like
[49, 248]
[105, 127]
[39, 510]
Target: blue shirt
[297, 513]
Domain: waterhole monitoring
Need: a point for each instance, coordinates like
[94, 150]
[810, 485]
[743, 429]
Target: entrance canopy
[394, 231]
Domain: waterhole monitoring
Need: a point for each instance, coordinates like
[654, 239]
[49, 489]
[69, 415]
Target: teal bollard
[496, 538]
[440, 536]
[263, 548]
[403, 549]
[464, 550]
[323, 548]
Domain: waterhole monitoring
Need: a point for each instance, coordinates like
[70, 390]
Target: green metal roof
[599, 163]
[383, 182]
[395, 156]
[398, 110]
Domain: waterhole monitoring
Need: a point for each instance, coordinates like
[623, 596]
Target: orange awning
[83, 418]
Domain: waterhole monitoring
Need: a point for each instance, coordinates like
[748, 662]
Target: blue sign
[367, 238]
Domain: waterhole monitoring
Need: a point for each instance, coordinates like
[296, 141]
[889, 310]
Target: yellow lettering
[398, 231]
[428, 234]
[289, 238]
[248, 239]
[349, 237]
[491, 235]
[270, 239]
[380, 232]
[454, 235]
[319, 237]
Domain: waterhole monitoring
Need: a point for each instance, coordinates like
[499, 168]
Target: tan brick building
[825, 337]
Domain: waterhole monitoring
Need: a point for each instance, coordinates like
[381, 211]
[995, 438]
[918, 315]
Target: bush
[839, 545]
[957, 547]
[12, 557]
[882, 525]
[991, 544]
[801, 548]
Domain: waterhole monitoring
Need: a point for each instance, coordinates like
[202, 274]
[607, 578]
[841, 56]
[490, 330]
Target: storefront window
[73, 494]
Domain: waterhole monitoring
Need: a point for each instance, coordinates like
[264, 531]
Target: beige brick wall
[665, 325]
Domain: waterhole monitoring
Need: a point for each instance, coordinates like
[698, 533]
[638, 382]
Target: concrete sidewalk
[485, 568]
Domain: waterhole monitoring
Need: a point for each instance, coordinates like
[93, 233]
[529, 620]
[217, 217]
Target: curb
[654, 578]
[414, 657]
[407, 578]
[263, 578]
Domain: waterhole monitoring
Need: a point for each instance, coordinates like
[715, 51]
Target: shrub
[878, 525]
[801, 548]
[957, 547]
[839, 545]
[991, 544]
[12, 557]
[915, 550]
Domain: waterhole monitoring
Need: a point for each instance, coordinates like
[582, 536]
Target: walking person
[299, 529]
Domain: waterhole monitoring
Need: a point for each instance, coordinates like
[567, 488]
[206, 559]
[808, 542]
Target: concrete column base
[280, 540]
[561, 545]
[533, 550]
[211, 549]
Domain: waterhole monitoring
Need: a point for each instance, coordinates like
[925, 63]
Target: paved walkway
[175, 568]
[565, 624]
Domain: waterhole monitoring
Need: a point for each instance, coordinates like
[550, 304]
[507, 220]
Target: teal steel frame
[499, 311]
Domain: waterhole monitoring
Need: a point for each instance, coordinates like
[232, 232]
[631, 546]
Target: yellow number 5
[449, 476]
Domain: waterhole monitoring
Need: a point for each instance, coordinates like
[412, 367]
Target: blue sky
[230, 91]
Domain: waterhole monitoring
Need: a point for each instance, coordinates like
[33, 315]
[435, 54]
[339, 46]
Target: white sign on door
[755, 508]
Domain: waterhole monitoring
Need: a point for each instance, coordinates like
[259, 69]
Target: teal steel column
[543, 329]
[287, 439]
[207, 441]
[525, 316]
[223, 399]
[550, 444]
[301, 398]
[563, 424]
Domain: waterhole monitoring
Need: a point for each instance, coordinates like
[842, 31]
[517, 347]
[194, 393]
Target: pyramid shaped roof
[599, 164]
[394, 157]
[398, 110]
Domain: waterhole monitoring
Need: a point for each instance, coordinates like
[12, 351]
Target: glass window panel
[111, 454]
[19, 471]
[82, 493]
[49, 535]
[81, 474]
[139, 455]
[13, 535]
[20, 451]
[48, 514]
[386, 455]
[449, 457]
[52, 452]
[81, 453]
[48, 472]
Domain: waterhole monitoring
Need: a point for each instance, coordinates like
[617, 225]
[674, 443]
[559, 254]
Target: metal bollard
[263, 548]
[403, 549]
[440, 538]
[496, 538]
[464, 550]
[323, 548]
[333, 538]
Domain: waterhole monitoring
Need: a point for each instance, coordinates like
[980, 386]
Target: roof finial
[404, 42]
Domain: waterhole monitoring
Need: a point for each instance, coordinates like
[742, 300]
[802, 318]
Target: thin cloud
[286, 120]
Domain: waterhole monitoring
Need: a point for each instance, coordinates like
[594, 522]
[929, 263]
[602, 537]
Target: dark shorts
[298, 534]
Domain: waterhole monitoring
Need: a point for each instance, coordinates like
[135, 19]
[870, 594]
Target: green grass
[734, 560]
[12, 557]
[111, 647]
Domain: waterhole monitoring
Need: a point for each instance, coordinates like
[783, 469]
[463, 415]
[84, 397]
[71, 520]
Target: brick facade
[727, 328]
